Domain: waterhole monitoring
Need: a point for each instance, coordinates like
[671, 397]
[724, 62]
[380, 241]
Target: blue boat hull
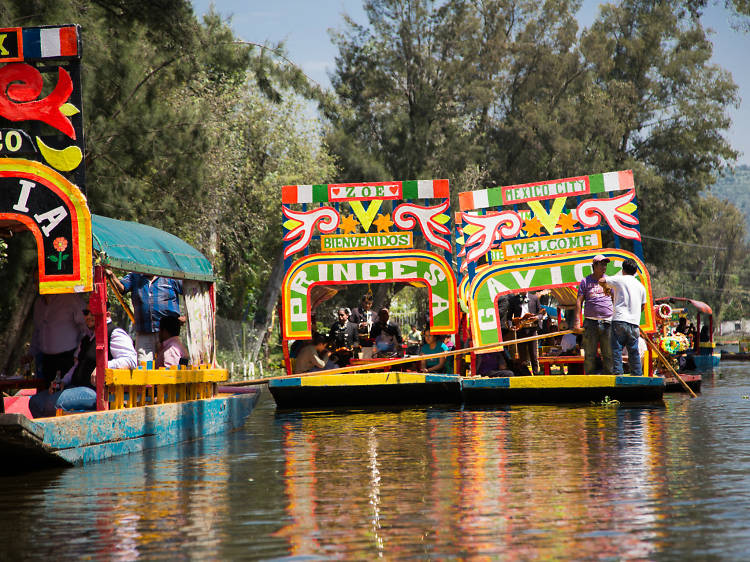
[706, 362]
[94, 436]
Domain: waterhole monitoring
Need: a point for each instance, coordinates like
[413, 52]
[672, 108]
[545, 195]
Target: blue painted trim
[442, 378]
[639, 381]
[32, 43]
[499, 382]
[294, 381]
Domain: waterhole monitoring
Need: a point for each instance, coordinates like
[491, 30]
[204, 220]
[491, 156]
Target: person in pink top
[172, 348]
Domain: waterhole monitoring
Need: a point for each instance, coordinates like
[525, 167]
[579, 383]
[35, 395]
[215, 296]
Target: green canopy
[144, 249]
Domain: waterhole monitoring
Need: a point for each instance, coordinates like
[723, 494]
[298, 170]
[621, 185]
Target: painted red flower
[60, 244]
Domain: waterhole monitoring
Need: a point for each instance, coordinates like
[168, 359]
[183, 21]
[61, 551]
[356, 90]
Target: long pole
[664, 360]
[125, 307]
[391, 362]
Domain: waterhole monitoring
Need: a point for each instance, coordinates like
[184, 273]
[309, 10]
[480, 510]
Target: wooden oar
[401, 361]
[666, 362]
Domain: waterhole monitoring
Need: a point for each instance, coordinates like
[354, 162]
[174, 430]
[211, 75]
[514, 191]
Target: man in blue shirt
[153, 298]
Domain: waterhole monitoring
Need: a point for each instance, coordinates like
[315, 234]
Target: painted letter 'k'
[3, 51]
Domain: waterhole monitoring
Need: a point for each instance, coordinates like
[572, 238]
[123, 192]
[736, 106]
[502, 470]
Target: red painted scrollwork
[21, 85]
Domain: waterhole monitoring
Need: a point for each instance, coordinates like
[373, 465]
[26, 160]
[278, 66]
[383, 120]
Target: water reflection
[517, 482]
[668, 483]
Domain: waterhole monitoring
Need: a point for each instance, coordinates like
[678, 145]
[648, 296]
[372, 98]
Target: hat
[600, 257]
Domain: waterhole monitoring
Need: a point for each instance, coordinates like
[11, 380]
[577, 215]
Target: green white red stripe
[324, 193]
[581, 185]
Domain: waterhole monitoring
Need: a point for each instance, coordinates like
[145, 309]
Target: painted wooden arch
[56, 213]
[565, 270]
[409, 266]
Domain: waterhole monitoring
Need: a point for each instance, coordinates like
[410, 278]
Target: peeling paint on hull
[94, 436]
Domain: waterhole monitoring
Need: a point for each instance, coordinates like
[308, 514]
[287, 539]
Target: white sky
[303, 25]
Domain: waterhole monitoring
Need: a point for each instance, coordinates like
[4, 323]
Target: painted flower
[60, 244]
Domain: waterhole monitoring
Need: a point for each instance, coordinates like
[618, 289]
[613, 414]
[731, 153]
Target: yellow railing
[129, 388]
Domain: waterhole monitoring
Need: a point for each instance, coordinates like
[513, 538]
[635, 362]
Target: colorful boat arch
[564, 270]
[409, 266]
[56, 213]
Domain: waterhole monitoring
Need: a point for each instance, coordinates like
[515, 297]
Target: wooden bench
[561, 361]
[128, 388]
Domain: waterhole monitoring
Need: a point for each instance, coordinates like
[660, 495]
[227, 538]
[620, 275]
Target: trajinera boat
[512, 240]
[42, 191]
[541, 238]
[365, 234]
[685, 334]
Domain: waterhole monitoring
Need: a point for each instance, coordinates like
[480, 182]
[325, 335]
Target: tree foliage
[188, 130]
[498, 92]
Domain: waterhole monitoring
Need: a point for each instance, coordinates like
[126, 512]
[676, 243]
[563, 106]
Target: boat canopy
[144, 249]
[699, 305]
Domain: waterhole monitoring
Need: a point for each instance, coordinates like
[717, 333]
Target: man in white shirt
[629, 302]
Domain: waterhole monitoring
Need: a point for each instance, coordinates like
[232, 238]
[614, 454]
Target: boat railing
[129, 388]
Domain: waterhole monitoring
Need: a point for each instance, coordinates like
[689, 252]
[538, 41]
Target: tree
[513, 91]
[188, 130]
[713, 253]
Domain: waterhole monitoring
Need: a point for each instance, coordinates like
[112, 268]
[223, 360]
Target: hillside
[736, 188]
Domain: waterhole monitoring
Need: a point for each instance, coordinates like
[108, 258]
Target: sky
[303, 25]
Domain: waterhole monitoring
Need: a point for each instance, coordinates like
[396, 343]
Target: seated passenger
[386, 336]
[77, 389]
[432, 345]
[495, 364]
[314, 356]
[568, 343]
[172, 349]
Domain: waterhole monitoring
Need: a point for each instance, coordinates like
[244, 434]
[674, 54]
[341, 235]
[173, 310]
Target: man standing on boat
[343, 333]
[598, 311]
[363, 316]
[630, 300]
[153, 298]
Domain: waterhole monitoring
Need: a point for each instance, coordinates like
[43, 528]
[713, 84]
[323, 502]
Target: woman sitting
[432, 345]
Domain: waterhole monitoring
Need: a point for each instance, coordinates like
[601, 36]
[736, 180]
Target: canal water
[517, 483]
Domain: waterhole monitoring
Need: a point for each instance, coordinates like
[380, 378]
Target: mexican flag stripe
[618, 181]
[596, 183]
[320, 193]
[410, 189]
[297, 194]
[495, 196]
[440, 188]
[470, 200]
[424, 189]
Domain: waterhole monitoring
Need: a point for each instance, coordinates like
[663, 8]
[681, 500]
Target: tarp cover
[130, 246]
